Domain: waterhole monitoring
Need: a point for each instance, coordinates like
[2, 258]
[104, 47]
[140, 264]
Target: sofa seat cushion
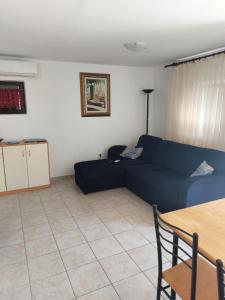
[104, 167]
[155, 185]
[97, 175]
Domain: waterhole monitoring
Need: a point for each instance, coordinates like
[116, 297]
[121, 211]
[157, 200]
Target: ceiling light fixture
[136, 46]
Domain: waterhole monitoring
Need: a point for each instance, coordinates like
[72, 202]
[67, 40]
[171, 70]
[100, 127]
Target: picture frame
[95, 94]
[12, 97]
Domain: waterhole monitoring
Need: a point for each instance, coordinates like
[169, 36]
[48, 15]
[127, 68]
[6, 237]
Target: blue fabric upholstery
[98, 175]
[200, 189]
[160, 176]
[184, 159]
[149, 144]
[114, 152]
[155, 185]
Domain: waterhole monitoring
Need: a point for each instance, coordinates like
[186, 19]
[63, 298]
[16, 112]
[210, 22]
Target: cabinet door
[15, 167]
[2, 173]
[37, 164]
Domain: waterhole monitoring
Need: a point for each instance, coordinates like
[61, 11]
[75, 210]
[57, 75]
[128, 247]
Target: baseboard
[61, 177]
[25, 190]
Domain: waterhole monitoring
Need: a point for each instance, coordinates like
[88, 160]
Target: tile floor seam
[12, 244]
[128, 277]
[62, 261]
[47, 277]
[11, 264]
[89, 293]
[28, 271]
[65, 191]
[149, 279]
[98, 262]
[126, 251]
[43, 236]
[85, 294]
[103, 269]
[38, 256]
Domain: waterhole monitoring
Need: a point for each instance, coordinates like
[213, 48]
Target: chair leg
[173, 295]
[174, 260]
[159, 288]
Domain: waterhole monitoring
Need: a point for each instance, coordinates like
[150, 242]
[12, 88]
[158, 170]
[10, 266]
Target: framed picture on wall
[95, 94]
[12, 97]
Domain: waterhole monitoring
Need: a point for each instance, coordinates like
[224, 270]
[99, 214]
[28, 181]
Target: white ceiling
[94, 31]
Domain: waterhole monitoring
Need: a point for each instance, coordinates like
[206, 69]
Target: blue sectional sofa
[160, 176]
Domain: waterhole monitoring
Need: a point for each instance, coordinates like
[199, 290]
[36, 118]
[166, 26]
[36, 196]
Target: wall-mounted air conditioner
[18, 68]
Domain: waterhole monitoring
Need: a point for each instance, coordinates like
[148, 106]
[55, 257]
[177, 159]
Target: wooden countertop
[208, 220]
[22, 142]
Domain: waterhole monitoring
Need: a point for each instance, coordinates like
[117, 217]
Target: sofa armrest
[200, 189]
[114, 151]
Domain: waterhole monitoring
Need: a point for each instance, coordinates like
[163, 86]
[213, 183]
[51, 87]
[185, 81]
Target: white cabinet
[2, 173]
[24, 166]
[15, 167]
[37, 164]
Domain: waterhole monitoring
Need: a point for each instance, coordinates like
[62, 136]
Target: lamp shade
[147, 91]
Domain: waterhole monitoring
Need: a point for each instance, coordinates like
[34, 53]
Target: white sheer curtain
[196, 112]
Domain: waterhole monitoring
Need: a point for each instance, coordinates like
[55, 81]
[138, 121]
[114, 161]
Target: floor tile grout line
[98, 261]
[129, 276]
[47, 277]
[126, 251]
[71, 247]
[60, 193]
[62, 260]
[28, 270]
[89, 293]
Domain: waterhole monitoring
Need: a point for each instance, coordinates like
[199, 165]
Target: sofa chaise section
[104, 174]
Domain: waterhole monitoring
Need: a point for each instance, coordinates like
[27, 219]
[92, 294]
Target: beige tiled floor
[58, 244]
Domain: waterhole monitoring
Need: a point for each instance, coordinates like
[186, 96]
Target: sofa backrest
[183, 159]
[149, 144]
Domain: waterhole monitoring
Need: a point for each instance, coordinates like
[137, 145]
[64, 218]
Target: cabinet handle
[29, 153]
[23, 153]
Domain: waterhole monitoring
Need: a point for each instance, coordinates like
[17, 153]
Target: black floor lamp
[147, 92]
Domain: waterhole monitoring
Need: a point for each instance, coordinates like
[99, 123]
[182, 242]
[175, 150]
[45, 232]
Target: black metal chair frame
[162, 240]
[220, 279]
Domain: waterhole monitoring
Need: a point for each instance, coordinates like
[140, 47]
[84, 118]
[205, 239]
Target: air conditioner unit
[18, 68]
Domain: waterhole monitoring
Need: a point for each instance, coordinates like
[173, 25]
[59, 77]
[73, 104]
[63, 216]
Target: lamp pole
[147, 92]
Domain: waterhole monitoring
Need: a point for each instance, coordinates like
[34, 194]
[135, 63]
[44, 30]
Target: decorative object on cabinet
[24, 167]
[95, 94]
[12, 97]
[34, 140]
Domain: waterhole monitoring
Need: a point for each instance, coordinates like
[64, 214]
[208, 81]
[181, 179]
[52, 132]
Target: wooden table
[208, 220]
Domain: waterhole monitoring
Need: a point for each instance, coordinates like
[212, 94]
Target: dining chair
[190, 276]
[220, 279]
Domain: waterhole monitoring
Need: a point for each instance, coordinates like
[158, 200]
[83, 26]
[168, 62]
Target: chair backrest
[220, 279]
[173, 241]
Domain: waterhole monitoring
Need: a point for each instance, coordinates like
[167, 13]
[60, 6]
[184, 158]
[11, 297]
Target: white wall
[53, 112]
